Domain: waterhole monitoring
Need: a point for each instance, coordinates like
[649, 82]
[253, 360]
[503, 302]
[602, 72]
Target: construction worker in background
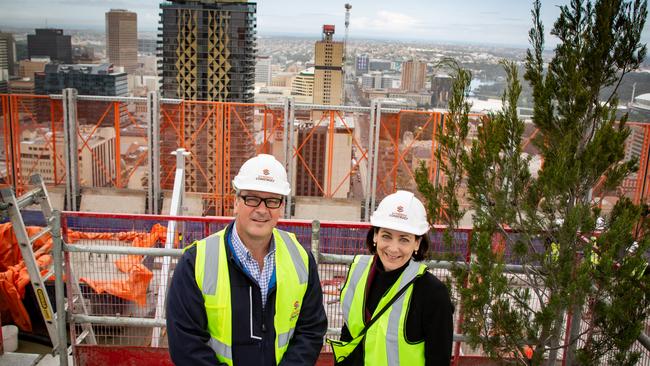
[249, 294]
[395, 311]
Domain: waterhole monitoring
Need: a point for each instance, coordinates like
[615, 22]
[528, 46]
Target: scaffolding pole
[71, 155]
[176, 208]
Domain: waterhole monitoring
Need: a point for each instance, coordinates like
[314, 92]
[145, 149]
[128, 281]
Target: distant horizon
[307, 36]
[467, 22]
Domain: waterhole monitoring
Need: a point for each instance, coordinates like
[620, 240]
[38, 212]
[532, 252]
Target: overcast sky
[474, 21]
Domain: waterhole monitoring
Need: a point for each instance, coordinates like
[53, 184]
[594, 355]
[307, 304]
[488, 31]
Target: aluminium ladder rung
[40, 234]
[48, 275]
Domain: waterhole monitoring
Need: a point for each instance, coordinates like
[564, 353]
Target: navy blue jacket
[253, 331]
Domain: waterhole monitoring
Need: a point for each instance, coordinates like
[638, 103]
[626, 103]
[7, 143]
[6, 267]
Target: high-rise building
[312, 175]
[263, 70]
[208, 54]
[441, 90]
[379, 65]
[97, 155]
[361, 64]
[328, 69]
[414, 74]
[24, 86]
[27, 68]
[371, 80]
[147, 46]
[52, 43]
[88, 79]
[7, 54]
[302, 86]
[122, 39]
[209, 50]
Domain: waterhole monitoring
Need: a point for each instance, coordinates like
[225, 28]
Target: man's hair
[425, 243]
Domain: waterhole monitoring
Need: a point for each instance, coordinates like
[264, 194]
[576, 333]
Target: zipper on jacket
[250, 307]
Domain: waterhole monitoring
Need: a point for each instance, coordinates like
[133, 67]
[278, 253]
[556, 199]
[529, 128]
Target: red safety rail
[127, 285]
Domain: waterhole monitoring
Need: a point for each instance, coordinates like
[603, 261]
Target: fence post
[287, 141]
[153, 139]
[461, 318]
[315, 240]
[71, 152]
[61, 313]
[375, 160]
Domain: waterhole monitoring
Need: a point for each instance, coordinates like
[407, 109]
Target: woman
[395, 312]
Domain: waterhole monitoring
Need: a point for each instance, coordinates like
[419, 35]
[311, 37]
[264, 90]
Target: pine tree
[577, 262]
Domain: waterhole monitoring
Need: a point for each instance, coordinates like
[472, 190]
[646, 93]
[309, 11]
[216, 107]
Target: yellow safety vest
[213, 279]
[384, 342]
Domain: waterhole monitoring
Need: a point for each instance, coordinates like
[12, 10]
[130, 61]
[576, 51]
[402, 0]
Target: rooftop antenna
[345, 45]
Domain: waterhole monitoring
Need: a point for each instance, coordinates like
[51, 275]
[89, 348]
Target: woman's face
[395, 248]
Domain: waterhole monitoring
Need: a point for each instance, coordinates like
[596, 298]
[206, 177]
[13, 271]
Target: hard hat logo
[265, 178]
[266, 172]
[398, 214]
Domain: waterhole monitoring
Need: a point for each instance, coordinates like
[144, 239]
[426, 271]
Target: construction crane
[345, 46]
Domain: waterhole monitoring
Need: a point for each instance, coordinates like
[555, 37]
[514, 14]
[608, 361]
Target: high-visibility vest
[385, 341]
[213, 279]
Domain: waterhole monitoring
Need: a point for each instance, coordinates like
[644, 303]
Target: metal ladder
[11, 206]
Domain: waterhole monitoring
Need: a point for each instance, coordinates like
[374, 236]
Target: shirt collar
[240, 249]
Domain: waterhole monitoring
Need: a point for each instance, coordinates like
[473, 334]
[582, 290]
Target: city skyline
[470, 21]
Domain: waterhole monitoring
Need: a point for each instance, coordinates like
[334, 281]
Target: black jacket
[429, 317]
[253, 331]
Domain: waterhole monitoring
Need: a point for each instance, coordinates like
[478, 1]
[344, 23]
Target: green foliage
[548, 220]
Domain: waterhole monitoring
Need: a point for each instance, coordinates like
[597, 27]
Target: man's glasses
[253, 201]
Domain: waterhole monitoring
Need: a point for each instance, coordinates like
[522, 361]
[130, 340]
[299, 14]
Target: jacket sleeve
[187, 322]
[307, 340]
[438, 338]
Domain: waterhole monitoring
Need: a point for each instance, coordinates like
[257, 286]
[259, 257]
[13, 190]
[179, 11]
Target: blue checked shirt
[249, 263]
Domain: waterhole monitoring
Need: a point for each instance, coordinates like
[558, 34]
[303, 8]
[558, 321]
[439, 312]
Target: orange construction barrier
[13, 273]
[14, 277]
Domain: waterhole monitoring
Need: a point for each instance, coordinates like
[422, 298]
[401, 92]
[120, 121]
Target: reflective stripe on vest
[384, 343]
[291, 273]
[213, 278]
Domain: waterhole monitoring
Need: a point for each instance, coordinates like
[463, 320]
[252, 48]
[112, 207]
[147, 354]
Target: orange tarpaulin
[14, 277]
[13, 273]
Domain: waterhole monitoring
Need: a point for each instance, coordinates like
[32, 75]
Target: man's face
[256, 223]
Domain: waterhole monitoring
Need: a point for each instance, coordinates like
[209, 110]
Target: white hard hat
[401, 211]
[262, 173]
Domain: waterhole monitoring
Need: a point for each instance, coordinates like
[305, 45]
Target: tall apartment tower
[263, 69]
[208, 54]
[52, 43]
[361, 64]
[7, 54]
[328, 69]
[122, 39]
[414, 75]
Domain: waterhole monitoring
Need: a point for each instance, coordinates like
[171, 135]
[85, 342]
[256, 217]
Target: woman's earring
[416, 252]
[374, 243]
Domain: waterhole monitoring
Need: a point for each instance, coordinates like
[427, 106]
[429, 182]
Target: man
[249, 294]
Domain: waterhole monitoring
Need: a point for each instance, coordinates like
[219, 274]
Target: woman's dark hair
[425, 243]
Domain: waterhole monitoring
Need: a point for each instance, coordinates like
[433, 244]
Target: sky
[495, 22]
